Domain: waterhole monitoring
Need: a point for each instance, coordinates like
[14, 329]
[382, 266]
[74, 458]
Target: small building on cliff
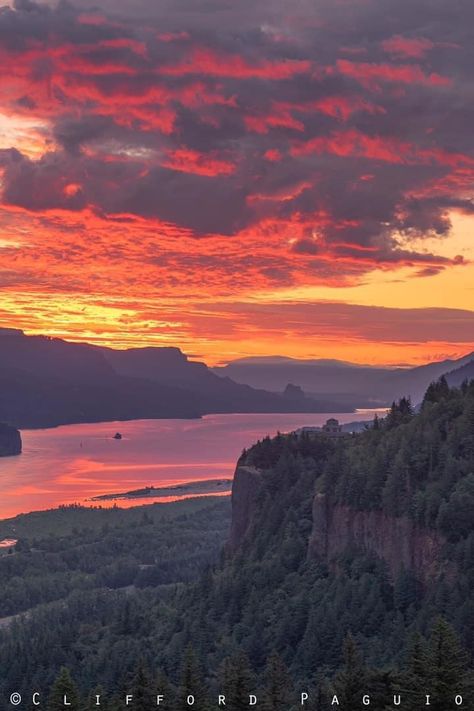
[331, 428]
[308, 431]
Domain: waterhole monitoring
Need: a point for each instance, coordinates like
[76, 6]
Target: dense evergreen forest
[150, 546]
[265, 611]
[269, 594]
[87, 578]
[433, 670]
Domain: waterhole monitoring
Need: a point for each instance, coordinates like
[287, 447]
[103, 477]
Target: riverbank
[201, 488]
[74, 463]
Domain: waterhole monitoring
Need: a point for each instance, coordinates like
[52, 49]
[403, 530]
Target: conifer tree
[142, 690]
[436, 391]
[191, 683]
[415, 678]
[164, 688]
[98, 694]
[277, 690]
[351, 682]
[447, 666]
[237, 682]
[64, 688]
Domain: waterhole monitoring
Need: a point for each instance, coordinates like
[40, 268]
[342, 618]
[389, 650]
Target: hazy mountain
[363, 384]
[51, 357]
[46, 381]
[459, 375]
[214, 393]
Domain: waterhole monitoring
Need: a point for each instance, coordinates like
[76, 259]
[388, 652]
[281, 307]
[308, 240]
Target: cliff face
[245, 488]
[337, 528]
[397, 540]
[10, 441]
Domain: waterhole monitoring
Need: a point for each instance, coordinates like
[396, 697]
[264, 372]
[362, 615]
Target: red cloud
[173, 36]
[211, 63]
[91, 18]
[282, 112]
[282, 195]
[189, 161]
[411, 47]
[369, 74]
[342, 107]
[388, 149]
[279, 118]
[353, 143]
[272, 154]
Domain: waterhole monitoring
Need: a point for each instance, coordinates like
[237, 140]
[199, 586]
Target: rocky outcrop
[245, 489]
[10, 441]
[397, 540]
[339, 528]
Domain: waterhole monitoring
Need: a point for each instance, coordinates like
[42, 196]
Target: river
[72, 463]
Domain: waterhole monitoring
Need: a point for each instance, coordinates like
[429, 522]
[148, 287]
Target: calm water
[73, 463]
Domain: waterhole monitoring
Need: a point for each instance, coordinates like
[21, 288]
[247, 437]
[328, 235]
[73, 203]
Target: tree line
[435, 671]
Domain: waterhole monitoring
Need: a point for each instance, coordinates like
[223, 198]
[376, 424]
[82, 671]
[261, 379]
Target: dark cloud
[205, 204]
[72, 132]
[365, 106]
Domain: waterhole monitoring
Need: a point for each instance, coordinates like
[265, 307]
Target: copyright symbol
[15, 698]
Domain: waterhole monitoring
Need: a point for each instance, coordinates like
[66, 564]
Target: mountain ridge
[47, 381]
[376, 386]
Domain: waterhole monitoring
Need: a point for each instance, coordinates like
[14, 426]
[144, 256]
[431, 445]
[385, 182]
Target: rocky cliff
[369, 533]
[245, 489]
[338, 528]
[10, 441]
[397, 540]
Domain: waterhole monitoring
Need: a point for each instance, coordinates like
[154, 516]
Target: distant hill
[47, 381]
[364, 384]
[459, 375]
[214, 393]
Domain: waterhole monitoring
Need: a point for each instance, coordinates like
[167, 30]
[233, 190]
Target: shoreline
[203, 487]
[98, 509]
[76, 463]
[309, 413]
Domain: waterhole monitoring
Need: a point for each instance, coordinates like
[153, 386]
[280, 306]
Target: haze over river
[73, 463]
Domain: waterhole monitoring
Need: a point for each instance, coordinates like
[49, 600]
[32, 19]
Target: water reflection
[71, 464]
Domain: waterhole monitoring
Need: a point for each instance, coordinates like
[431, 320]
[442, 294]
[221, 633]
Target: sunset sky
[240, 177]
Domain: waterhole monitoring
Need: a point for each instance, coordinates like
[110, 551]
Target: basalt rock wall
[397, 540]
[245, 489]
[339, 528]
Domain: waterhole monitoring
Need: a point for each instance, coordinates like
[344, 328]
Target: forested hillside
[83, 585]
[316, 576]
[274, 592]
